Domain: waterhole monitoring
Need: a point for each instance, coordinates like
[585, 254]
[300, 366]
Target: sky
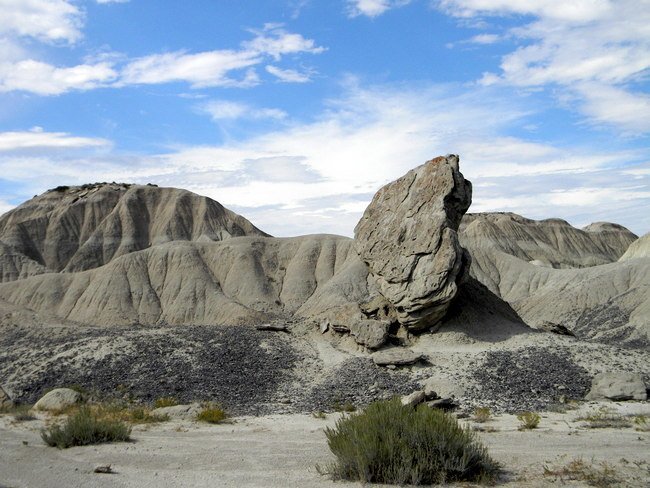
[294, 113]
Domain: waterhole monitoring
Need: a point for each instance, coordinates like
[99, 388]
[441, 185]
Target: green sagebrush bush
[392, 443]
[83, 428]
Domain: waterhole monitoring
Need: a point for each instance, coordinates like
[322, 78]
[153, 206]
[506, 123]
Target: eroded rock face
[58, 399]
[408, 238]
[617, 386]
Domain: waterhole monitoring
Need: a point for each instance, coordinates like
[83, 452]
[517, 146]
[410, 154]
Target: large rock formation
[593, 296]
[239, 280]
[638, 249]
[79, 228]
[408, 238]
[552, 242]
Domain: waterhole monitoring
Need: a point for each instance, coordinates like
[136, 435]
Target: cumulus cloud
[373, 8]
[597, 43]
[45, 79]
[46, 20]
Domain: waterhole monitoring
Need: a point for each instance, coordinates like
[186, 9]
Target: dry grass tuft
[602, 475]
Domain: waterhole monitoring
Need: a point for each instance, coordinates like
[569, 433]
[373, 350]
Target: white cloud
[46, 20]
[274, 41]
[45, 79]
[229, 110]
[200, 70]
[222, 67]
[613, 105]
[216, 68]
[484, 39]
[288, 75]
[599, 43]
[574, 11]
[39, 139]
[373, 8]
[318, 176]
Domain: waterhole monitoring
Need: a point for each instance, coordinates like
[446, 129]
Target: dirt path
[282, 451]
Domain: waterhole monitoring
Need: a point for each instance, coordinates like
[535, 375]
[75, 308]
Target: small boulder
[395, 356]
[324, 326]
[446, 404]
[414, 398]
[58, 399]
[441, 387]
[370, 333]
[5, 400]
[181, 412]
[617, 386]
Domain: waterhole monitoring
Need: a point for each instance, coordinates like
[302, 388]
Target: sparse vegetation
[605, 417]
[482, 414]
[641, 423]
[339, 406]
[165, 402]
[601, 475]
[319, 415]
[21, 413]
[85, 427]
[140, 415]
[528, 420]
[391, 443]
[212, 414]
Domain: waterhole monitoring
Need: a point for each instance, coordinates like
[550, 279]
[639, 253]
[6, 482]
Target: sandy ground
[283, 450]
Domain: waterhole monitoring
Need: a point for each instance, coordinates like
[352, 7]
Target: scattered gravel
[527, 379]
[357, 381]
[239, 367]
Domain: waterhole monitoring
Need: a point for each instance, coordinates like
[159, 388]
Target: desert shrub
[392, 443]
[528, 420]
[83, 428]
[165, 402]
[482, 414]
[212, 415]
[642, 424]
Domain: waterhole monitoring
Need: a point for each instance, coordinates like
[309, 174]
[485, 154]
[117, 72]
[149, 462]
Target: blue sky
[294, 112]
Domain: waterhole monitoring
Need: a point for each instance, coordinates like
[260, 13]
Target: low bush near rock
[83, 428]
[212, 415]
[392, 443]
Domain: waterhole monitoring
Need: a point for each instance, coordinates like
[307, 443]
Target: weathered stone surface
[617, 386]
[370, 333]
[396, 356]
[408, 238]
[5, 400]
[414, 398]
[183, 412]
[58, 399]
